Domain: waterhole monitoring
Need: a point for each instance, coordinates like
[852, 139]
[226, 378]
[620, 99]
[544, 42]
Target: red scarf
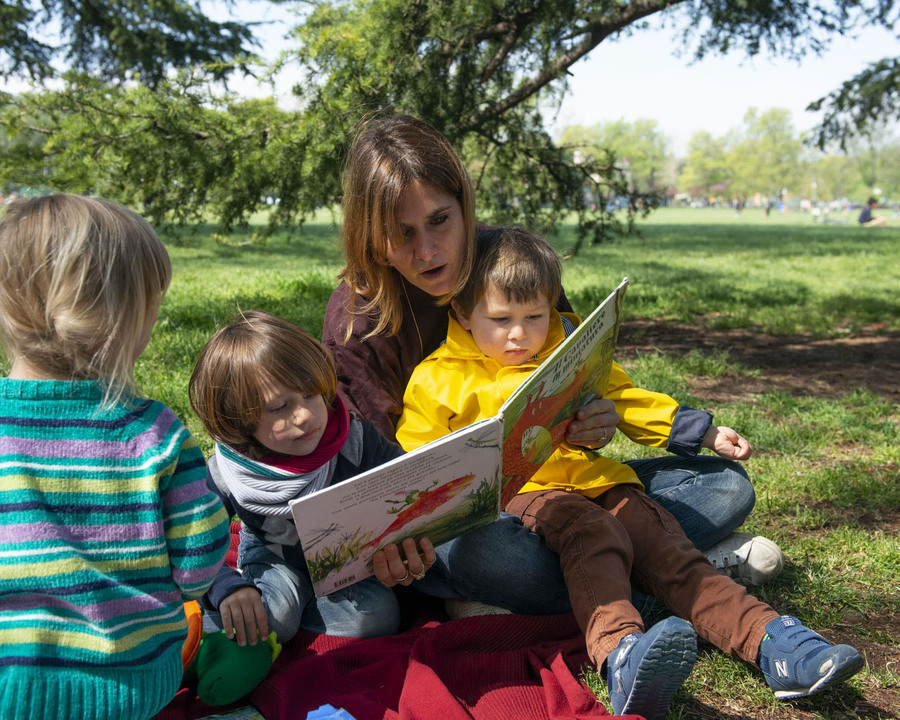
[332, 441]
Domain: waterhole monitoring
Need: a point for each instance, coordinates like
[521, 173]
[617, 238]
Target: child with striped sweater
[106, 523]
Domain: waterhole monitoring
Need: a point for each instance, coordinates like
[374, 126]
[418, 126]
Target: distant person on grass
[867, 219]
[266, 392]
[409, 239]
[106, 522]
[591, 510]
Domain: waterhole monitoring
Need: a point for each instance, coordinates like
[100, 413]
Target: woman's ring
[400, 580]
[419, 575]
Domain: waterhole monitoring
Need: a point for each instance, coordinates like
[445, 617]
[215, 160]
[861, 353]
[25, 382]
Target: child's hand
[727, 443]
[244, 615]
[392, 570]
[593, 425]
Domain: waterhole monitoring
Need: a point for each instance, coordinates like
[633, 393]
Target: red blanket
[492, 667]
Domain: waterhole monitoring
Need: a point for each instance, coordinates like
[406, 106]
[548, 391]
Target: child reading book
[266, 391]
[590, 510]
[107, 523]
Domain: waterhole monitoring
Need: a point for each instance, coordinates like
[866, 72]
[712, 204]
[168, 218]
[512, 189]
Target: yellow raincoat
[458, 385]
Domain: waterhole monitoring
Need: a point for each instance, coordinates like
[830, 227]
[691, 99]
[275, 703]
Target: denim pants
[622, 539]
[506, 564]
[365, 609]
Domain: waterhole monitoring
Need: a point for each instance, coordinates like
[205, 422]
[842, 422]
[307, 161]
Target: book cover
[537, 416]
[440, 490]
[461, 481]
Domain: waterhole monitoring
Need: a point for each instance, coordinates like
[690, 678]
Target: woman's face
[434, 238]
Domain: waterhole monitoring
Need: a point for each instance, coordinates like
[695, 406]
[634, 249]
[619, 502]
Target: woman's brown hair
[386, 157]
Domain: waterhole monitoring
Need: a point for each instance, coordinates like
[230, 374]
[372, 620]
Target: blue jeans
[365, 609]
[506, 564]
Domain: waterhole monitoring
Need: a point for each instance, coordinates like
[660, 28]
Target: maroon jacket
[372, 374]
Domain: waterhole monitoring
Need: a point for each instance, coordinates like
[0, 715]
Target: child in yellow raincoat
[591, 510]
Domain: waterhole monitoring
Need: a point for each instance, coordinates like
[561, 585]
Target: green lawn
[825, 464]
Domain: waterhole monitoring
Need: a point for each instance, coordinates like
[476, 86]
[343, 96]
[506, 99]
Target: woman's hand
[727, 443]
[244, 616]
[594, 424]
[392, 569]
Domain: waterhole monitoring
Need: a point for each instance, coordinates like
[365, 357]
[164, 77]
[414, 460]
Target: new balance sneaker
[747, 559]
[798, 662]
[645, 670]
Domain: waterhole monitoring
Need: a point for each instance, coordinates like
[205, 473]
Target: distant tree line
[765, 158]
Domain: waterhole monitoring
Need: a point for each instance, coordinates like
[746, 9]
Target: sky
[639, 77]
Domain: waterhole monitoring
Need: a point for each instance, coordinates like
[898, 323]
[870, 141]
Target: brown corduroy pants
[622, 539]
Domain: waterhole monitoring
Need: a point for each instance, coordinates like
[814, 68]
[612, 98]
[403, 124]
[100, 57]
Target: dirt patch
[884, 519]
[879, 702]
[878, 655]
[798, 364]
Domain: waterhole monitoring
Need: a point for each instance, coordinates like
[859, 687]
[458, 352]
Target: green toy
[226, 671]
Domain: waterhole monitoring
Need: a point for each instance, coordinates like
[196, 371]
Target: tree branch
[595, 31]
[509, 42]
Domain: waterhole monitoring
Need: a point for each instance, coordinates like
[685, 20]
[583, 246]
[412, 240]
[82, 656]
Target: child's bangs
[302, 364]
[527, 277]
[519, 282]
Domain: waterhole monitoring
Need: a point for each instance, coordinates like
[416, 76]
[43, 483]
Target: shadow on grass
[316, 243]
[782, 241]
[774, 304]
[302, 301]
[700, 290]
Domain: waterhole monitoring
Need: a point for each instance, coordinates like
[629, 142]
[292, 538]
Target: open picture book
[461, 481]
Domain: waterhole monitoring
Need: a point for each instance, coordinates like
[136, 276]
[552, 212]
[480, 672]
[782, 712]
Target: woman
[409, 237]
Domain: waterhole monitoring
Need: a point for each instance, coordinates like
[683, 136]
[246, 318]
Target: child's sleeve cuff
[688, 428]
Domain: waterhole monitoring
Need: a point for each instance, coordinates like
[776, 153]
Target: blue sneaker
[798, 662]
[645, 670]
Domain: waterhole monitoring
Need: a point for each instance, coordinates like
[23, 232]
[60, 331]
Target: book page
[537, 416]
[440, 491]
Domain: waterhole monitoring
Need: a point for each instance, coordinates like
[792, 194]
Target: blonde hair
[80, 279]
[521, 265]
[387, 156]
[239, 360]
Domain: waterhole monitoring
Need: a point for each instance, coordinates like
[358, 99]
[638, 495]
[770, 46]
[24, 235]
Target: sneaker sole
[846, 665]
[663, 669]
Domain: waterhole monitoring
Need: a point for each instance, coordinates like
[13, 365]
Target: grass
[825, 466]
[782, 276]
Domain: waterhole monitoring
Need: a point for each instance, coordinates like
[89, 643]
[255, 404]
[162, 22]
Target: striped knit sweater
[106, 527]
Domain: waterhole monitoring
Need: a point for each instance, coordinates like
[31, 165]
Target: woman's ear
[460, 317]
